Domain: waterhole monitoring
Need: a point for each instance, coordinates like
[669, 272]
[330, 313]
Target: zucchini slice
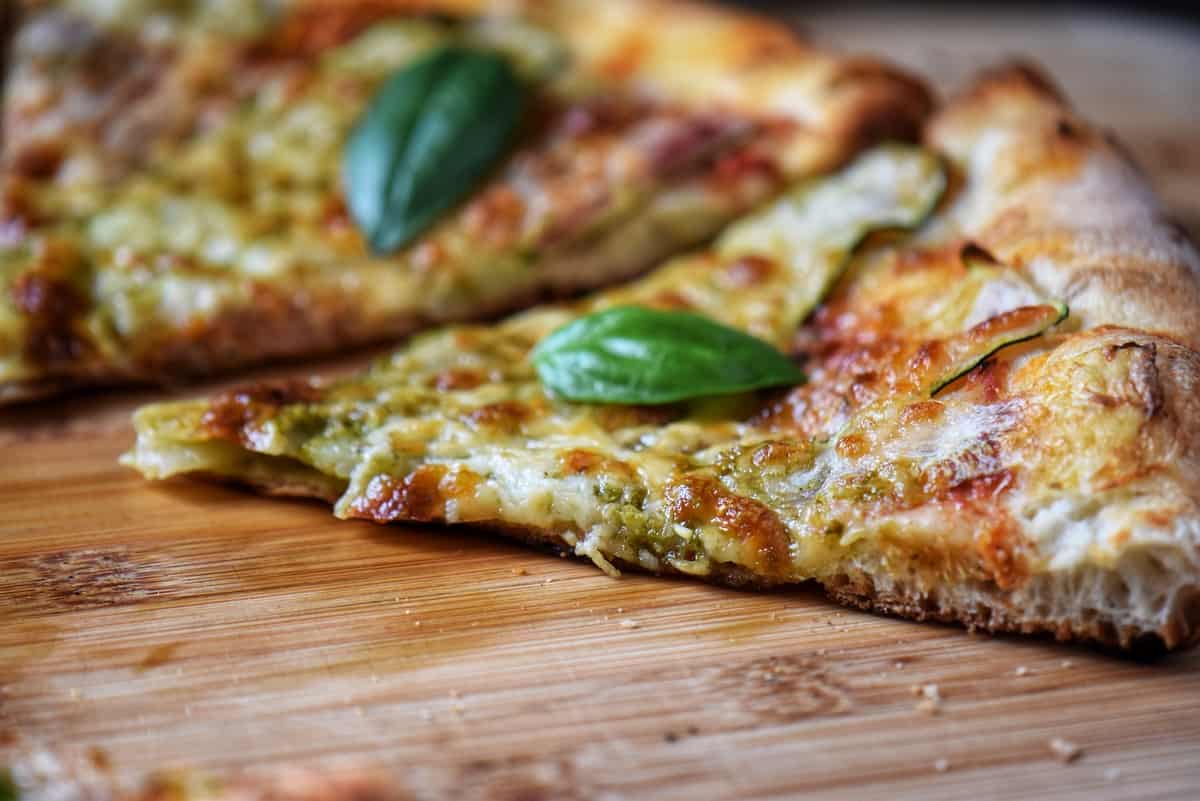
[965, 352]
[815, 229]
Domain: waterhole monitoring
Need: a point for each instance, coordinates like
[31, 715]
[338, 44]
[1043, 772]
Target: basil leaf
[430, 135]
[631, 354]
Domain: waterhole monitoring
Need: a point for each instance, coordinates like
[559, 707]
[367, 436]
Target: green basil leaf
[631, 354]
[430, 135]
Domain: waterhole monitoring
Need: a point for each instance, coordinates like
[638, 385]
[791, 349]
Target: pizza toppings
[635, 355]
[431, 133]
[1027, 483]
[959, 355]
[816, 228]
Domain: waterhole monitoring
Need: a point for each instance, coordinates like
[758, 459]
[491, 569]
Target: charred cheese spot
[853, 446]
[701, 501]
[670, 299]
[456, 378]
[750, 271]
[39, 159]
[418, 497]
[52, 307]
[781, 453]
[313, 28]
[626, 58]
[615, 418]
[495, 216]
[584, 462]
[234, 414]
[502, 414]
[922, 412]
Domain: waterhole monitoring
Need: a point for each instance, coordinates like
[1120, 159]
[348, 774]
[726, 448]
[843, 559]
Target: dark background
[1186, 13]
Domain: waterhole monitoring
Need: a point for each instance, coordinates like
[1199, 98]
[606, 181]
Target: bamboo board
[151, 627]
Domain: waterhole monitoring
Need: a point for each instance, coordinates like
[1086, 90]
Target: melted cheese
[456, 427]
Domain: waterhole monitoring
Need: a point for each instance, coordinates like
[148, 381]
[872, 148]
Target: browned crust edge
[1071, 205]
[858, 591]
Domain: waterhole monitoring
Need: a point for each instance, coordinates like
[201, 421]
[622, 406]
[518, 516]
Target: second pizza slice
[187, 189]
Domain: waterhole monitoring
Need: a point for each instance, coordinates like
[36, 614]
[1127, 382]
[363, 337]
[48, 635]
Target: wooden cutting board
[147, 627]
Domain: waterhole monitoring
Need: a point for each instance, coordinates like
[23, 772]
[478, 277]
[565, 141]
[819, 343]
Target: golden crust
[1053, 195]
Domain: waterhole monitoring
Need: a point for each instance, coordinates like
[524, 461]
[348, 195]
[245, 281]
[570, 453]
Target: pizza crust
[1054, 489]
[1053, 195]
[1044, 207]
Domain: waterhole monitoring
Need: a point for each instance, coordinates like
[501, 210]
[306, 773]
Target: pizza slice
[192, 187]
[964, 447]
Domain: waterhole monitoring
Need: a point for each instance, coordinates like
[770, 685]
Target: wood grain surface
[145, 628]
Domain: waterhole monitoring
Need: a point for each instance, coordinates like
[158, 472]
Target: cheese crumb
[931, 692]
[630, 624]
[1064, 750]
[519, 571]
[1067, 663]
[941, 765]
[1021, 671]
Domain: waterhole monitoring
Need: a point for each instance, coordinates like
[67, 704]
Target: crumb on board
[930, 698]
[928, 706]
[941, 765]
[1064, 750]
[520, 571]
[629, 624]
[929, 691]
[1021, 671]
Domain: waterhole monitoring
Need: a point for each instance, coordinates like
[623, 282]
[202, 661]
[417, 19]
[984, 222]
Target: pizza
[182, 189]
[998, 421]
